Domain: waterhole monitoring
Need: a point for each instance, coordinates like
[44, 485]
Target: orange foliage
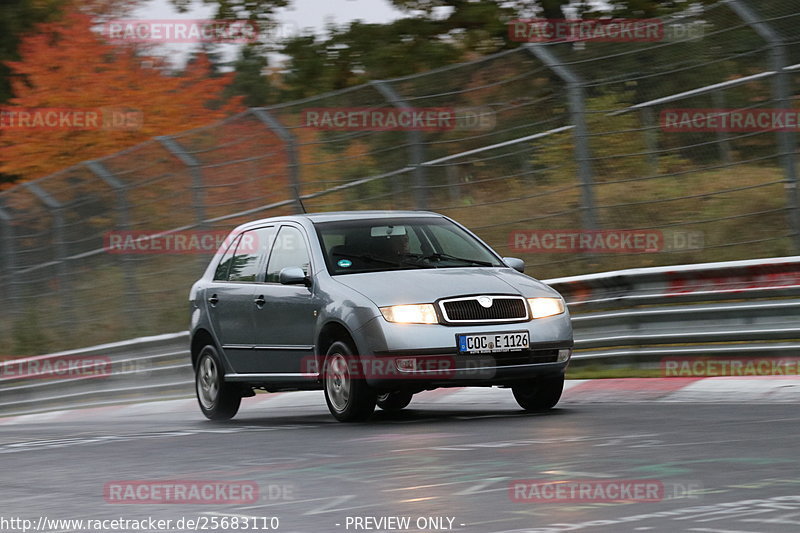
[67, 65]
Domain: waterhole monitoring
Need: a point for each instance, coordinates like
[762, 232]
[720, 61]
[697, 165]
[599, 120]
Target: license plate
[510, 341]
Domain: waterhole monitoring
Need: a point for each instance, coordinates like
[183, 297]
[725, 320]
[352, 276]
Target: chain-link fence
[550, 137]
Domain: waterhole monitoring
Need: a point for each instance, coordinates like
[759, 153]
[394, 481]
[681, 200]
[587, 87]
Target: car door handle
[260, 301]
[213, 300]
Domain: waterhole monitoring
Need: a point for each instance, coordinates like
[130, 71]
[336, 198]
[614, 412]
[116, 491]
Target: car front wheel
[347, 394]
[539, 395]
[218, 400]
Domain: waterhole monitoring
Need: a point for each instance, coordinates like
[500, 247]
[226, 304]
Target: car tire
[394, 401]
[347, 394]
[218, 400]
[539, 395]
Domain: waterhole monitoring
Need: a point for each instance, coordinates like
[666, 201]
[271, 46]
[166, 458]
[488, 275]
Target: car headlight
[544, 307]
[411, 314]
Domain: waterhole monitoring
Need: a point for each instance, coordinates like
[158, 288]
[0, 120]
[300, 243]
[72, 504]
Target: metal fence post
[8, 259]
[198, 192]
[718, 101]
[60, 257]
[782, 94]
[124, 224]
[577, 109]
[417, 154]
[198, 195]
[288, 139]
[650, 137]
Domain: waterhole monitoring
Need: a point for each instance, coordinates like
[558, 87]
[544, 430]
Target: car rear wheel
[539, 395]
[218, 400]
[394, 401]
[347, 394]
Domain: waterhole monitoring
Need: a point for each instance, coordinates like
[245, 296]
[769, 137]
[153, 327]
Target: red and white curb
[761, 389]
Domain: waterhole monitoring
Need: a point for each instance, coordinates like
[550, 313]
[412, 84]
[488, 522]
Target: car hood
[428, 285]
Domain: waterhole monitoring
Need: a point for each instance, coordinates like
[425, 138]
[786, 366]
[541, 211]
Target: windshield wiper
[440, 256]
[372, 259]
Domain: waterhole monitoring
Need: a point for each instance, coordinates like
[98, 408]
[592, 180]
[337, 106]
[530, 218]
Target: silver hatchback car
[371, 307]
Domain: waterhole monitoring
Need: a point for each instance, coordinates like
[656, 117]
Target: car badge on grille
[485, 301]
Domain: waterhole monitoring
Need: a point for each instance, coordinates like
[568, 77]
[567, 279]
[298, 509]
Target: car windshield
[373, 245]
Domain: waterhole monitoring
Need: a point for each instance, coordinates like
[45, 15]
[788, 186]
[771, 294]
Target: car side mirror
[293, 276]
[515, 263]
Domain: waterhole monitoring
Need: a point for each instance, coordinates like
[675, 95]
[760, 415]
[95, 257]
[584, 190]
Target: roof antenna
[299, 200]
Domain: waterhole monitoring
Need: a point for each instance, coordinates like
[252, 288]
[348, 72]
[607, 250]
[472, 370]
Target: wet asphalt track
[432, 460]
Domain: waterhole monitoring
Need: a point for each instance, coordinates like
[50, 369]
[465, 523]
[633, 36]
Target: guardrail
[630, 317]
[136, 370]
[639, 316]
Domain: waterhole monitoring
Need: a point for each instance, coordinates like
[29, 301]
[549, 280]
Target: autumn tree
[67, 65]
[19, 17]
[16, 18]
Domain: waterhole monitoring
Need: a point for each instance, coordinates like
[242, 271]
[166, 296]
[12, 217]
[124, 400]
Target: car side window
[224, 266]
[251, 250]
[289, 250]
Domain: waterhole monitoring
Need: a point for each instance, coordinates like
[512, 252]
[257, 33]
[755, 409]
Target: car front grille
[502, 309]
[531, 357]
[527, 357]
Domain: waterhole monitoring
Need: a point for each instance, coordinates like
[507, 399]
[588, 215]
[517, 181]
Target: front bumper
[420, 356]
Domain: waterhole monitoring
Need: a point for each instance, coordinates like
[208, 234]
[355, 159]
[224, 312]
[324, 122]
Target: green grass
[598, 372]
